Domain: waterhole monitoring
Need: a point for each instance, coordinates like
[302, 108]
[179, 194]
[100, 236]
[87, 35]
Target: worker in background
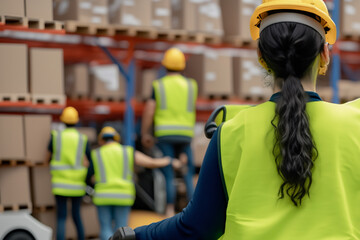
[114, 187]
[287, 168]
[69, 154]
[172, 110]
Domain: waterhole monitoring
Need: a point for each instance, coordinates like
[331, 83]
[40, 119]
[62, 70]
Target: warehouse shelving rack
[121, 50]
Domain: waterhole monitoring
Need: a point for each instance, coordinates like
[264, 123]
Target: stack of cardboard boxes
[236, 17]
[350, 18]
[46, 83]
[32, 9]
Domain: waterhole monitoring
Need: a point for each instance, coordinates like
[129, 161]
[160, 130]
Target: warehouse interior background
[101, 56]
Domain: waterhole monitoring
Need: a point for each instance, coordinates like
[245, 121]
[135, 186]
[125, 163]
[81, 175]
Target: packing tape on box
[100, 10]
[63, 7]
[129, 3]
[162, 12]
[212, 10]
[85, 5]
[130, 19]
[350, 10]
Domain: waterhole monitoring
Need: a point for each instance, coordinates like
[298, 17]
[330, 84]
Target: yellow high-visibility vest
[113, 166]
[254, 210]
[66, 165]
[175, 106]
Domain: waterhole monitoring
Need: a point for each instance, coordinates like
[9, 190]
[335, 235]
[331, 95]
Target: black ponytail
[289, 50]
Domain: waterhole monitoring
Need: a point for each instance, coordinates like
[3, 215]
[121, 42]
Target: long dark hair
[289, 50]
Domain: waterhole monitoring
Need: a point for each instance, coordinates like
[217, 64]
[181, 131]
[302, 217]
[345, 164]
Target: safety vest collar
[312, 97]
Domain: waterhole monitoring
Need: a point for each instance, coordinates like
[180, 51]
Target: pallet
[45, 25]
[48, 99]
[15, 207]
[14, 97]
[32, 23]
[88, 28]
[13, 163]
[351, 38]
[43, 208]
[199, 37]
[107, 99]
[14, 21]
[217, 96]
[238, 41]
[135, 31]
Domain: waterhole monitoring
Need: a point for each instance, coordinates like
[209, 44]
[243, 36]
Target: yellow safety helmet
[316, 7]
[109, 132]
[174, 59]
[69, 115]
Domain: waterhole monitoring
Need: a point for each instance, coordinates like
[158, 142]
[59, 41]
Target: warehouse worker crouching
[69, 155]
[114, 187]
[172, 110]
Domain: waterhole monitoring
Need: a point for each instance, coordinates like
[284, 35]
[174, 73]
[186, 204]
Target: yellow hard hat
[69, 115]
[316, 7]
[174, 59]
[109, 132]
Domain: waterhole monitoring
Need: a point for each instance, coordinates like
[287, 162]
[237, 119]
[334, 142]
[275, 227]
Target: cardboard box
[144, 83]
[42, 195]
[13, 69]
[161, 13]
[39, 9]
[88, 216]
[49, 219]
[12, 137]
[47, 80]
[184, 15]
[14, 186]
[212, 71]
[37, 135]
[199, 144]
[249, 78]
[77, 81]
[130, 12]
[209, 17]
[77, 10]
[350, 18]
[13, 8]
[90, 133]
[100, 11]
[106, 83]
[236, 17]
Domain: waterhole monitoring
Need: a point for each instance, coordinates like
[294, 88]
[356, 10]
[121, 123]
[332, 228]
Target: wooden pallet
[199, 37]
[45, 25]
[43, 208]
[14, 162]
[15, 207]
[107, 99]
[239, 41]
[14, 21]
[217, 96]
[88, 28]
[14, 97]
[135, 31]
[48, 99]
[351, 38]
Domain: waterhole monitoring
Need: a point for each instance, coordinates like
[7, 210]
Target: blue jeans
[111, 218]
[61, 212]
[173, 149]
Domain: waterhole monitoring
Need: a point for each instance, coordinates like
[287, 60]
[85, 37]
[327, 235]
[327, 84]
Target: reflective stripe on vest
[173, 127]
[114, 195]
[68, 186]
[101, 166]
[58, 146]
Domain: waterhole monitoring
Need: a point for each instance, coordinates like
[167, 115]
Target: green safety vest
[175, 106]
[113, 166]
[66, 165]
[255, 212]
